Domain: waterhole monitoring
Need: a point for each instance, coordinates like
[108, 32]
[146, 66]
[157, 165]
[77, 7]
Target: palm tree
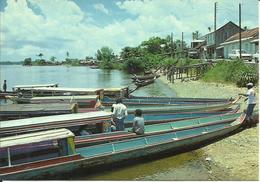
[40, 55]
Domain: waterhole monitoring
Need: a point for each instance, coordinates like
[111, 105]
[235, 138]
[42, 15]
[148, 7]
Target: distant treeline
[11, 63]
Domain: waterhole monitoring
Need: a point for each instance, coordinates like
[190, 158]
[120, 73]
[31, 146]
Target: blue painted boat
[153, 118]
[181, 108]
[107, 101]
[62, 157]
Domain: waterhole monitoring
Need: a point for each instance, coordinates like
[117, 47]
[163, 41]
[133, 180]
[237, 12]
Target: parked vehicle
[236, 54]
[193, 53]
[256, 57]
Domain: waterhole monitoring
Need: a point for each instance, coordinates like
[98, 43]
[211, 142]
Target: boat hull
[143, 147]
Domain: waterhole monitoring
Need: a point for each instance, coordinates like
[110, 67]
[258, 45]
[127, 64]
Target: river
[186, 166]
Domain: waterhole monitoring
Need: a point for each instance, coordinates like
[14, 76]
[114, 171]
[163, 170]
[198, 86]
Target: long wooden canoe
[165, 101]
[181, 108]
[156, 129]
[97, 120]
[59, 91]
[145, 77]
[154, 118]
[83, 101]
[180, 99]
[28, 87]
[142, 83]
[14, 111]
[97, 155]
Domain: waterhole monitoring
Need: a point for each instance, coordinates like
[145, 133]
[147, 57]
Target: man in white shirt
[119, 113]
[251, 96]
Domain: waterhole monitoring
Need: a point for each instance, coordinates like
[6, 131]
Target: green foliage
[27, 62]
[39, 62]
[106, 56]
[52, 59]
[232, 72]
[134, 65]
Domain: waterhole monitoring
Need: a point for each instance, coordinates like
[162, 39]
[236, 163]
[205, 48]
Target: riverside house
[222, 34]
[249, 42]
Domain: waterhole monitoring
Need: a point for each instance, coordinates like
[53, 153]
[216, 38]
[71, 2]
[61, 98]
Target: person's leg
[249, 112]
[120, 125]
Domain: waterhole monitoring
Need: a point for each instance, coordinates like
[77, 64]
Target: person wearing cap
[119, 113]
[251, 97]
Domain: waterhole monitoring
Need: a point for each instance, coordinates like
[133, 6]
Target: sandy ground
[236, 155]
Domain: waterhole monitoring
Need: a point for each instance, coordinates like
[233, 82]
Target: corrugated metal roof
[254, 33]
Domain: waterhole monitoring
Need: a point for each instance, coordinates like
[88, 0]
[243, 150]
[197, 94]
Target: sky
[81, 27]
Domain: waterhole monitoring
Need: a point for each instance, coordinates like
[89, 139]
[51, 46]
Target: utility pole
[171, 45]
[215, 28]
[240, 30]
[181, 44]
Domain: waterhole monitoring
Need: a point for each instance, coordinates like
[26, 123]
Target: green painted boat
[54, 152]
[155, 129]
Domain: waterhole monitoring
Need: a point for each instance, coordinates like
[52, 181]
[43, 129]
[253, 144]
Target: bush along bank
[232, 72]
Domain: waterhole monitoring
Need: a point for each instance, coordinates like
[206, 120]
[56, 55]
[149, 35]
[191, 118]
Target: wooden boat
[117, 92]
[96, 122]
[181, 108]
[176, 99]
[145, 77]
[143, 83]
[27, 87]
[81, 100]
[59, 91]
[153, 129]
[154, 118]
[14, 111]
[107, 101]
[56, 153]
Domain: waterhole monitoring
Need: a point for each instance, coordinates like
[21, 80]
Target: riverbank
[232, 158]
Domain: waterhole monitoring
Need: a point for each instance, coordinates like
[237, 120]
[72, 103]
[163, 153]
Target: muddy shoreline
[232, 158]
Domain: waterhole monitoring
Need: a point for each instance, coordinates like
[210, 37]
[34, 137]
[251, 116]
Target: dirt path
[236, 155]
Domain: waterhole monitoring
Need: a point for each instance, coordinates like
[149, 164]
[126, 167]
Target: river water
[186, 166]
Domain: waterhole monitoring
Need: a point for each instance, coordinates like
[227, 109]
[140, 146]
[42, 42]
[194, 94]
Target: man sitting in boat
[138, 123]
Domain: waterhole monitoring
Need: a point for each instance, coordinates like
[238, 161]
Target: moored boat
[84, 101]
[142, 83]
[107, 101]
[145, 77]
[14, 111]
[64, 158]
[96, 122]
[181, 108]
[159, 128]
[18, 88]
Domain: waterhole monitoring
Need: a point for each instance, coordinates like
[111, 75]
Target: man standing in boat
[119, 114]
[4, 86]
[251, 96]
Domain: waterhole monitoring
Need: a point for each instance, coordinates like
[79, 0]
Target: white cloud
[101, 7]
[62, 26]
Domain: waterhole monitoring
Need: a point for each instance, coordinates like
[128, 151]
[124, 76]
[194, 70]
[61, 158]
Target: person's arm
[243, 94]
[126, 112]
